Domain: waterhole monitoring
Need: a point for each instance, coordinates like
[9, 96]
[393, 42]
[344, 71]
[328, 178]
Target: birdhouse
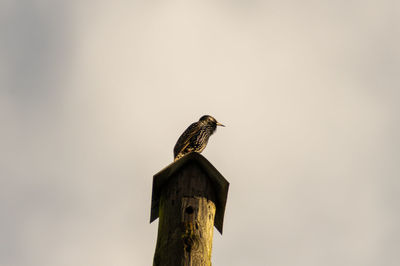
[192, 176]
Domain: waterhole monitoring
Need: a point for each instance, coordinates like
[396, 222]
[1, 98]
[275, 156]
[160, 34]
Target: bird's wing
[184, 139]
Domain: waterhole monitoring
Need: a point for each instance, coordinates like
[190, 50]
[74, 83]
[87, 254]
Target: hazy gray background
[94, 94]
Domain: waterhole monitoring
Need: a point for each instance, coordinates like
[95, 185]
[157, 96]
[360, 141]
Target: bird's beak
[219, 124]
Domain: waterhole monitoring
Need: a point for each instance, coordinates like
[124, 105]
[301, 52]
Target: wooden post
[189, 197]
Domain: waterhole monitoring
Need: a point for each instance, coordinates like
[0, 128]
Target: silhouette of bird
[196, 136]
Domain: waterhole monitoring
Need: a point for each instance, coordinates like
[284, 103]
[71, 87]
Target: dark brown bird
[196, 136]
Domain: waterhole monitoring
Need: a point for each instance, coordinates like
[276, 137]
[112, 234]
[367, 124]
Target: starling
[196, 136]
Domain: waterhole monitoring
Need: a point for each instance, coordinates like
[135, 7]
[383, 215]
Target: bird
[195, 137]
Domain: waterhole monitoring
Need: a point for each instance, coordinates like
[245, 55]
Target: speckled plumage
[195, 137]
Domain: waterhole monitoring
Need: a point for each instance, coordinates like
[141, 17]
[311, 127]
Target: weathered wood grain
[186, 219]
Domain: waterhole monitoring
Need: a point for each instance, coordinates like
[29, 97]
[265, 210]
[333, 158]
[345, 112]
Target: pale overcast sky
[94, 94]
